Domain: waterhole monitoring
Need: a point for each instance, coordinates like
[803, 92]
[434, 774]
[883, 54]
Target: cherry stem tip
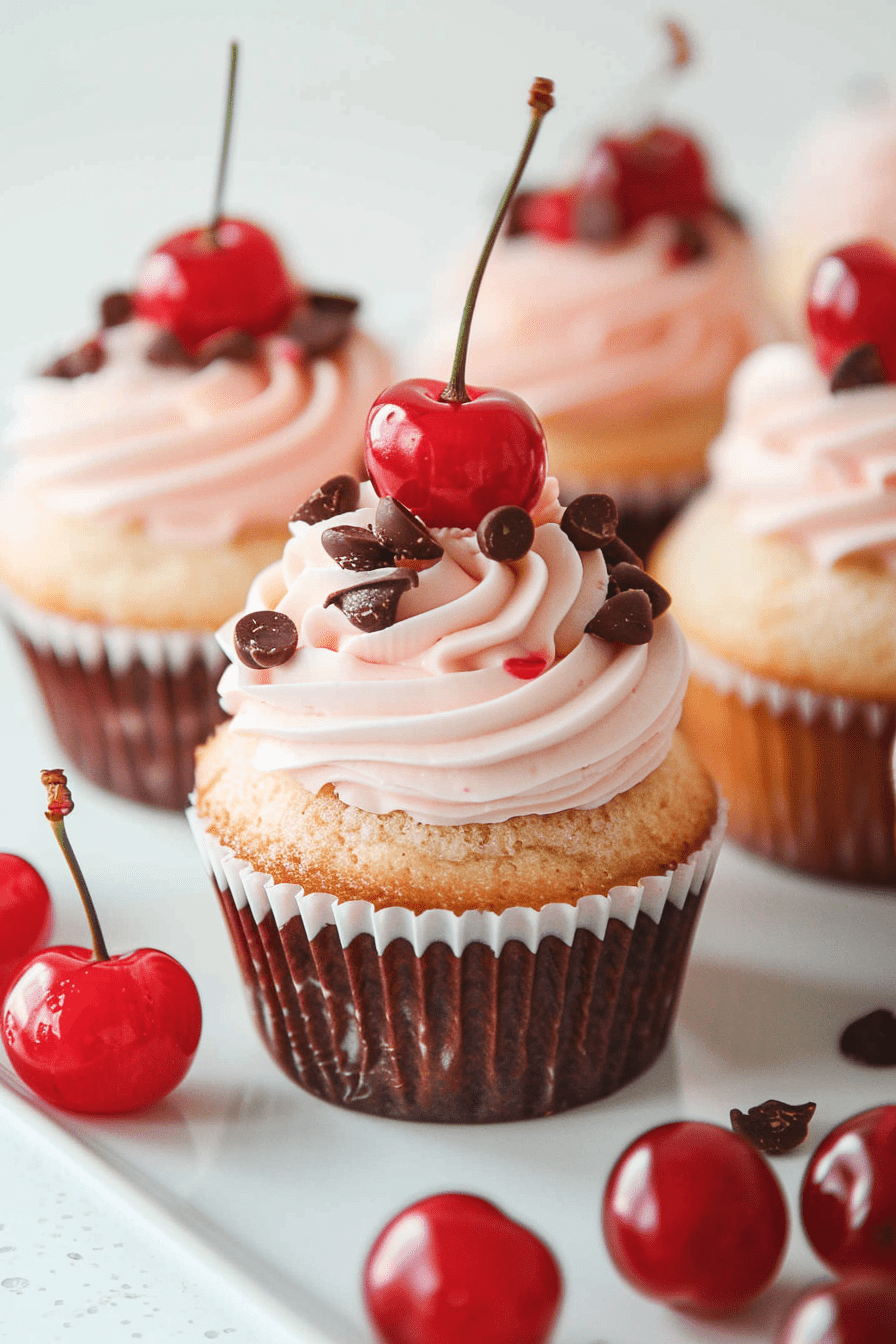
[682, 52]
[60, 803]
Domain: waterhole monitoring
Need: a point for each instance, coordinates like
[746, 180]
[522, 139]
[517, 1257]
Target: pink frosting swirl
[425, 716]
[617, 327]
[193, 457]
[815, 467]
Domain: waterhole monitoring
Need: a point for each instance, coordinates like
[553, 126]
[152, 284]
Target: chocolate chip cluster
[319, 324]
[634, 598]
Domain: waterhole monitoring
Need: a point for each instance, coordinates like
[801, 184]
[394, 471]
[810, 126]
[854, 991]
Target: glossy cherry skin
[451, 462]
[693, 1216]
[198, 288]
[852, 301]
[550, 214]
[454, 1269]
[848, 1198]
[25, 913]
[860, 1309]
[101, 1037]
[661, 172]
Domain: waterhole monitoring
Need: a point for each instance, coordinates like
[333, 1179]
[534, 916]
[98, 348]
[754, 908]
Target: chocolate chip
[506, 533]
[88, 358]
[265, 638]
[406, 535]
[689, 243]
[169, 351]
[871, 1039]
[623, 619]
[616, 552]
[596, 219]
[860, 367]
[339, 494]
[774, 1127]
[590, 522]
[355, 548]
[627, 576]
[323, 323]
[239, 345]
[373, 606]
[116, 308]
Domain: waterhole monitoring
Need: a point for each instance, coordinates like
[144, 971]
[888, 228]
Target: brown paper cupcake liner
[807, 776]
[129, 706]
[646, 507]
[461, 1018]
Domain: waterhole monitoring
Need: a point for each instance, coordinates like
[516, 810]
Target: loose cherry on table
[452, 453]
[93, 1033]
[454, 1269]
[858, 1309]
[694, 1216]
[852, 305]
[848, 1197]
[25, 913]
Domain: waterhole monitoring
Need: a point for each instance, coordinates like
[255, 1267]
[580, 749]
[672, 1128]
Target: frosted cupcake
[841, 185]
[154, 466]
[618, 308]
[785, 583]
[459, 847]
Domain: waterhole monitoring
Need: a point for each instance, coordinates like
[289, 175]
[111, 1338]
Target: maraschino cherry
[25, 913]
[453, 453]
[225, 275]
[694, 1216]
[848, 1199]
[95, 1033]
[859, 1309]
[454, 1269]
[851, 312]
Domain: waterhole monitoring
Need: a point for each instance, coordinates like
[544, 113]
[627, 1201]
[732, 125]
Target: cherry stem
[60, 804]
[541, 101]
[225, 142]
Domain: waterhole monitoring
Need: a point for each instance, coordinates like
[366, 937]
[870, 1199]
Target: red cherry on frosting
[663, 171]
[454, 1269]
[94, 1033]
[694, 1216]
[206, 281]
[852, 302]
[25, 913]
[848, 1199]
[860, 1309]
[452, 454]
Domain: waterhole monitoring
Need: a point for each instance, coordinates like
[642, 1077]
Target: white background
[373, 138]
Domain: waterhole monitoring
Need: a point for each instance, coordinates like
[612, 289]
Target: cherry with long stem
[224, 157]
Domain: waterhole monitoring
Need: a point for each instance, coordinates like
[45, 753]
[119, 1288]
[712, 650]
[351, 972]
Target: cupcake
[841, 185]
[784, 575]
[153, 468]
[618, 308]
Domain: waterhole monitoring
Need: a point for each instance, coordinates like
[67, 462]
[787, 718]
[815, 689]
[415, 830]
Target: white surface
[374, 137]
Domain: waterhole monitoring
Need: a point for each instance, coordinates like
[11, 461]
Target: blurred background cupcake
[785, 581]
[154, 466]
[840, 185]
[619, 307]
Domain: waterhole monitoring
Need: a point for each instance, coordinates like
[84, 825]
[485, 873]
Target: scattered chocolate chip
[240, 345]
[265, 638]
[623, 619]
[339, 494]
[731, 214]
[617, 552]
[169, 351]
[774, 1127]
[373, 606]
[627, 576]
[355, 548]
[861, 367]
[116, 308]
[88, 358]
[406, 535]
[590, 522]
[596, 219]
[689, 244]
[871, 1039]
[506, 533]
[322, 323]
